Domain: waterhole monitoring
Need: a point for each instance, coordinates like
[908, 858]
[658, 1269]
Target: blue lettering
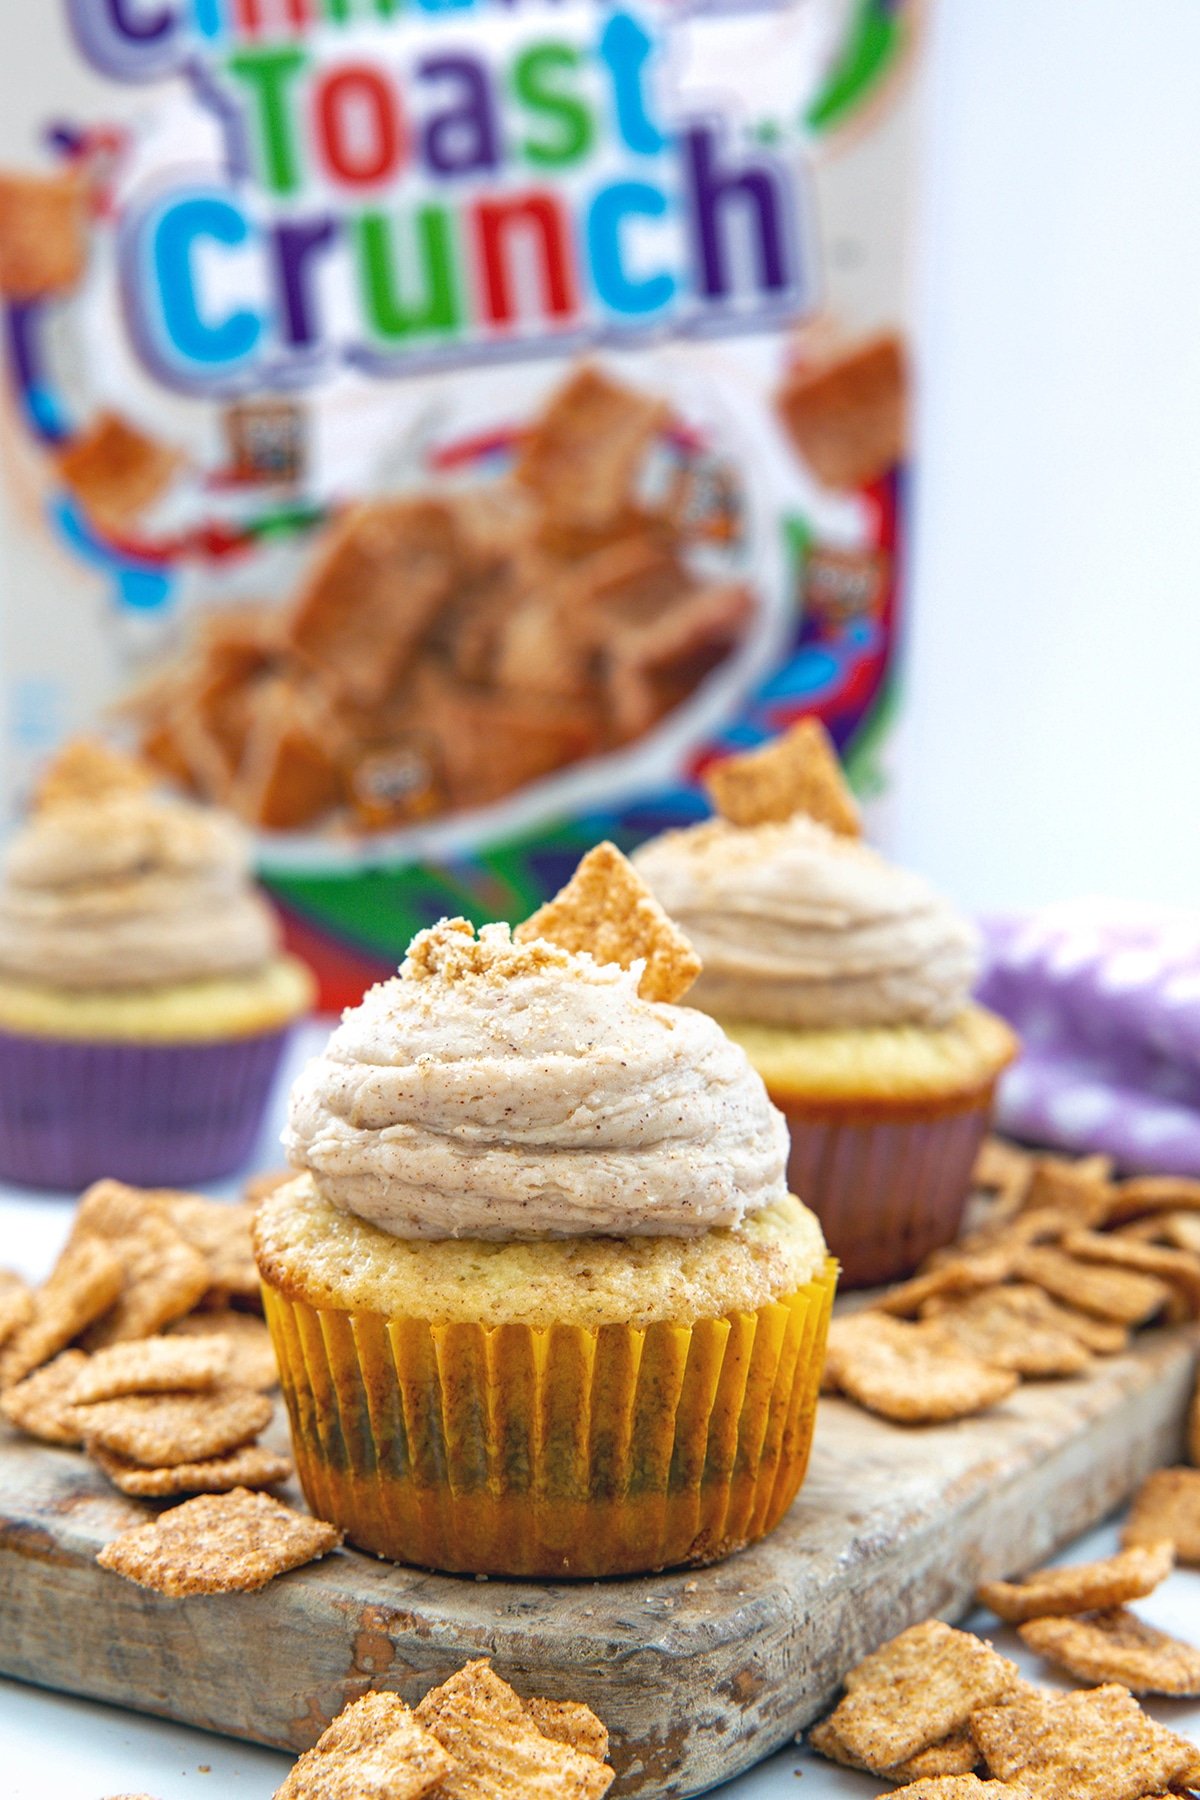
[624, 46]
[221, 342]
[611, 207]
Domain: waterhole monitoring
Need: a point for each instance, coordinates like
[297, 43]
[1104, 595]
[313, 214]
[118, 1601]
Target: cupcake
[144, 1002]
[542, 1303]
[847, 981]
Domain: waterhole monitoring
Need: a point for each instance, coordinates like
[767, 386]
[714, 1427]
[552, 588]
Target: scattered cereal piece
[41, 1403]
[1097, 1745]
[962, 1787]
[218, 1544]
[1176, 1267]
[957, 1754]
[156, 1365]
[222, 1234]
[16, 1305]
[1085, 1587]
[375, 1750]
[1071, 1188]
[607, 910]
[1115, 1645]
[247, 1345]
[916, 1691]
[570, 1722]
[1005, 1171]
[499, 1750]
[164, 1275]
[87, 769]
[85, 1282]
[1154, 1193]
[999, 1331]
[1035, 1306]
[957, 1275]
[1167, 1505]
[161, 1430]
[252, 1466]
[902, 1372]
[1121, 1295]
[1180, 1229]
[796, 773]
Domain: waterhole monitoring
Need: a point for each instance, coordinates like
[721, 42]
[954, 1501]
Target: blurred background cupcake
[847, 981]
[144, 1002]
[541, 1301]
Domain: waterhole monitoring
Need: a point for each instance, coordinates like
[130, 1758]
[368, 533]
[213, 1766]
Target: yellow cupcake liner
[564, 1452]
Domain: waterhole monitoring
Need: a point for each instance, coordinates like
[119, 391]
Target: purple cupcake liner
[155, 1115]
[886, 1193]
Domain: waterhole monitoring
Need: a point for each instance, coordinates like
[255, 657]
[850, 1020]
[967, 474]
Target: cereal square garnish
[85, 1282]
[990, 1326]
[160, 1430]
[253, 1466]
[16, 1305]
[1097, 1745]
[570, 1722]
[498, 1748]
[1074, 1189]
[607, 910]
[1121, 1295]
[1084, 1587]
[916, 1691]
[1167, 1505]
[907, 1374]
[218, 1544]
[374, 1750]
[796, 773]
[246, 1342]
[156, 1365]
[1116, 1645]
[41, 1404]
[164, 1275]
[222, 1234]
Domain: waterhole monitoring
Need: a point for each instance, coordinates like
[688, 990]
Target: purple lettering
[757, 189]
[297, 245]
[465, 136]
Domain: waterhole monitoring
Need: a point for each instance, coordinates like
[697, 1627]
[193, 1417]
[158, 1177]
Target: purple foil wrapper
[155, 1115]
[886, 1193]
[1106, 997]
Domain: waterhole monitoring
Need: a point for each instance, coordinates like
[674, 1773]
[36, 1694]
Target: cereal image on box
[438, 436]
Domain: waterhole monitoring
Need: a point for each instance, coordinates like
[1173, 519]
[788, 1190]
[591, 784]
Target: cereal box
[436, 429]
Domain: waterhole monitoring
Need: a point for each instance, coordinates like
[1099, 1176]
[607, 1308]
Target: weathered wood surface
[698, 1674]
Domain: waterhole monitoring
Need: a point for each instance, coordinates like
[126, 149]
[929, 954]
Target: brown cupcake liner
[561, 1453]
[887, 1190]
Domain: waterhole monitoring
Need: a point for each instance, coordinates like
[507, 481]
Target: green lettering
[534, 82]
[389, 313]
[343, 11]
[268, 73]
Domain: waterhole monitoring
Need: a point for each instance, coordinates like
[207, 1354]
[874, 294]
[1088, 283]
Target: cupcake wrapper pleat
[566, 1452]
[157, 1115]
[886, 1192]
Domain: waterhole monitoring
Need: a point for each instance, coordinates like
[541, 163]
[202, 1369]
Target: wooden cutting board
[698, 1674]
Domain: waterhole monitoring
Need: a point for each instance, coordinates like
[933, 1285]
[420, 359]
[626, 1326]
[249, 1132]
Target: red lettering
[254, 16]
[539, 218]
[360, 130]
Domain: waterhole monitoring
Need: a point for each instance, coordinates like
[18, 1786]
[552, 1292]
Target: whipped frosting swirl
[501, 1090]
[131, 890]
[797, 926]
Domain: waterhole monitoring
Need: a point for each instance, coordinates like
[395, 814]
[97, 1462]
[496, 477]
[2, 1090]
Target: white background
[1053, 737]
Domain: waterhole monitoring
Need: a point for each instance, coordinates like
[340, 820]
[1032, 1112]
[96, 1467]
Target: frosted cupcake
[542, 1303]
[847, 981]
[144, 1002]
